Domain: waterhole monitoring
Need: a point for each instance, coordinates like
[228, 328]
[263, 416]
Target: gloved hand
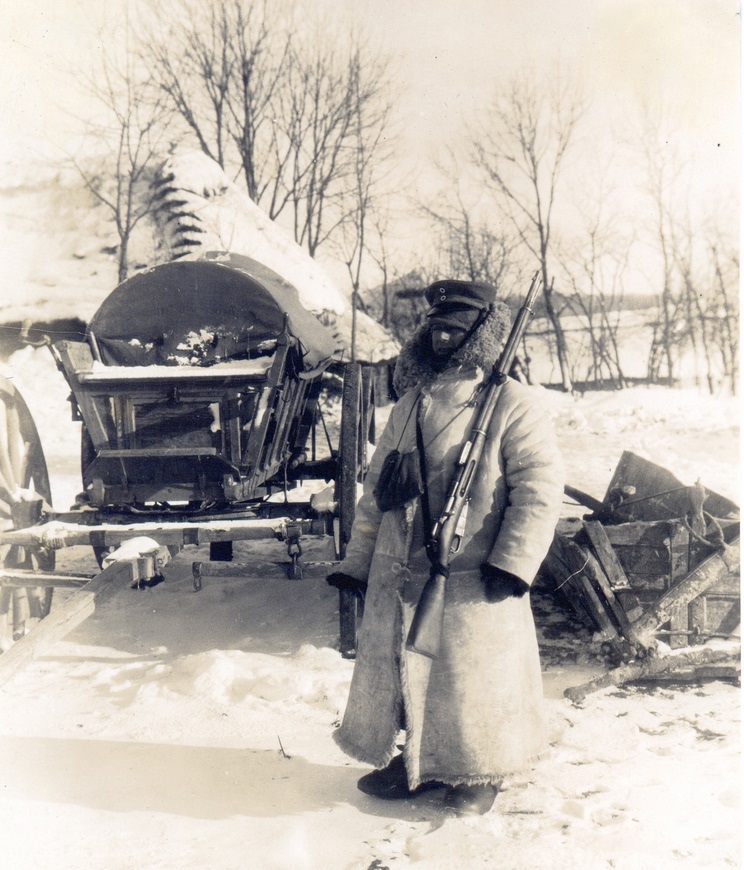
[346, 581]
[501, 584]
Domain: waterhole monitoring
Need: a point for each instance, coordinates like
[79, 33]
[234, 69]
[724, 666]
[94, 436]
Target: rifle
[425, 634]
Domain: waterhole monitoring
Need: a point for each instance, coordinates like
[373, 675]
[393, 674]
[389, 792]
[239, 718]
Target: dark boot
[391, 782]
[470, 800]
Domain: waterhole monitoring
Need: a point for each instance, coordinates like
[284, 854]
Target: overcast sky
[682, 54]
[450, 53]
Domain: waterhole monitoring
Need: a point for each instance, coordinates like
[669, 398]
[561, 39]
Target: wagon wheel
[24, 483]
[352, 467]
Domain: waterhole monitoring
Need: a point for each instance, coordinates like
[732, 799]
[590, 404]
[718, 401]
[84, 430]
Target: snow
[184, 729]
[227, 220]
[59, 243]
[189, 729]
[210, 212]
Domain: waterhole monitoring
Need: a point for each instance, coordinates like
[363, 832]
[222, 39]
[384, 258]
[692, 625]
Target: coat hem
[355, 751]
[495, 779]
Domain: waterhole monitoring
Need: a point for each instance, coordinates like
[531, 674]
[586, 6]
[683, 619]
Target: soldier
[474, 713]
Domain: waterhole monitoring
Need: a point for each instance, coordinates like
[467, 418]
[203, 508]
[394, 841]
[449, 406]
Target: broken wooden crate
[654, 559]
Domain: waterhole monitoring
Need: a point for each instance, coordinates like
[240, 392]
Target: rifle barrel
[425, 634]
[510, 349]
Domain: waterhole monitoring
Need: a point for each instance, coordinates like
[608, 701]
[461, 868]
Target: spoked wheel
[356, 421]
[24, 486]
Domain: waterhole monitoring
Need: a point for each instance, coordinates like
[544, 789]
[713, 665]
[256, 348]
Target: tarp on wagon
[198, 312]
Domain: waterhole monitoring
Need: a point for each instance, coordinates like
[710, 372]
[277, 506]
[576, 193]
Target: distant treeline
[567, 304]
[580, 303]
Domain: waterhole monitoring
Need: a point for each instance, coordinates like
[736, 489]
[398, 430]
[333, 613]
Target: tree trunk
[560, 338]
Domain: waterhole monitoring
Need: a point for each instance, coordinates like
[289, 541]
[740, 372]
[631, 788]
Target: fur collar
[482, 349]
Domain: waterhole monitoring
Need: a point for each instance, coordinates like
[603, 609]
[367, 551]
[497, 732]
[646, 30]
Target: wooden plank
[163, 452]
[64, 618]
[647, 584]
[570, 565]
[76, 359]
[679, 553]
[220, 372]
[639, 534]
[619, 583]
[659, 495]
[654, 667]
[696, 583]
[715, 614]
[615, 609]
[679, 567]
[643, 551]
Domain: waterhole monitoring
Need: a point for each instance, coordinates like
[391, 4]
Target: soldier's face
[446, 340]
[449, 327]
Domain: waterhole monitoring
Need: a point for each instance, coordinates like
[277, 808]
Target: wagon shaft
[56, 535]
[135, 570]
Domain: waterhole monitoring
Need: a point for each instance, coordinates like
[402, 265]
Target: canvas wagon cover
[198, 312]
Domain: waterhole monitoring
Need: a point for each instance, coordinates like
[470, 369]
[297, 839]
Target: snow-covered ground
[179, 730]
[176, 729]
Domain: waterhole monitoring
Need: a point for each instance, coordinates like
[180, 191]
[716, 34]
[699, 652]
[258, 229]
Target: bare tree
[594, 269]
[469, 247]
[362, 206]
[126, 139]
[280, 111]
[519, 151]
[186, 47]
[663, 168]
[219, 66]
[724, 318]
[708, 301]
[336, 108]
[698, 310]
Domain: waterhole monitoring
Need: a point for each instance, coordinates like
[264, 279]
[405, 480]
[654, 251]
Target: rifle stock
[425, 634]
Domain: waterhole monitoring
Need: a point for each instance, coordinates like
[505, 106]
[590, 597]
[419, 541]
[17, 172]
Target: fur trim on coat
[482, 349]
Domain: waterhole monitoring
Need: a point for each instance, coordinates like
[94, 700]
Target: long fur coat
[474, 713]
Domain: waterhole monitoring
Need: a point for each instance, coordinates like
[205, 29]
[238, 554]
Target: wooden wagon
[198, 384]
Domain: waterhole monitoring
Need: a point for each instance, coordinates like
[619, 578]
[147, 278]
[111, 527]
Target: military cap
[473, 294]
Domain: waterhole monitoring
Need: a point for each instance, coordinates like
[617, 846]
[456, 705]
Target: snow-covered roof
[202, 210]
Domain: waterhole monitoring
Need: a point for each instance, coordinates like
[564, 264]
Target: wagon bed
[198, 387]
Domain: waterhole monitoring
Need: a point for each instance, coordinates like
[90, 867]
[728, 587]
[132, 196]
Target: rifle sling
[431, 545]
[432, 548]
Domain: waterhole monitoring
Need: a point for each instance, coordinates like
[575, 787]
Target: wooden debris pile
[655, 561]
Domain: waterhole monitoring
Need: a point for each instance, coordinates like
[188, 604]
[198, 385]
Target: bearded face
[449, 327]
[446, 340]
